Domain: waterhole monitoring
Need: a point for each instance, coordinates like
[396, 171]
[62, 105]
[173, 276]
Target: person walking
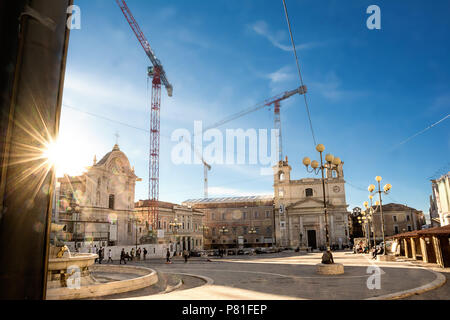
[145, 253]
[110, 256]
[167, 257]
[138, 254]
[186, 256]
[100, 255]
[96, 252]
[132, 254]
[122, 256]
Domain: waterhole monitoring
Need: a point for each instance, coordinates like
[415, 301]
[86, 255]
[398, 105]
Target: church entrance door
[312, 242]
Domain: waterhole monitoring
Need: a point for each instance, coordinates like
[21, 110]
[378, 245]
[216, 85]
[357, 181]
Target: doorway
[312, 242]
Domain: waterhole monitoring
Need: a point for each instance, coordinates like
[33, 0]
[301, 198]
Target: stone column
[437, 251]
[413, 248]
[423, 247]
[405, 244]
[302, 231]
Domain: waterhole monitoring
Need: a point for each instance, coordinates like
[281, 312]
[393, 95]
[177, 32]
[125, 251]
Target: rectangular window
[256, 214]
[244, 215]
[111, 201]
[409, 228]
[224, 216]
[407, 218]
[396, 229]
[395, 218]
[267, 214]
[213, 216]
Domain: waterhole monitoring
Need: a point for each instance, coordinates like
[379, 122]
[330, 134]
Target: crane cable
[299, 72]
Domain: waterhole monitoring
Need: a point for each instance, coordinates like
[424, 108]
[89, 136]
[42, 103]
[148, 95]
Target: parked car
[196, 253]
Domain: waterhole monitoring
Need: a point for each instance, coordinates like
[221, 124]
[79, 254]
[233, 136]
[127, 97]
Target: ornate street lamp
[332, 163]
[75, 215]
[386, 189]
[174, 226]
[223, 230]
[204, 229]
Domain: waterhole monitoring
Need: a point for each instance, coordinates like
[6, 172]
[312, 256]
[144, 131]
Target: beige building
[299, 209]
[440, 201]
[398, 218]
[188, 235]
[247, 221]
[98, 205]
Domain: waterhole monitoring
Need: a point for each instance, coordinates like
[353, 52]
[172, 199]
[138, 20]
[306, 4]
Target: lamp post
[174, 226]
[386, 189]
[204, 229]
[371, 214]
[75, 212]
[332, 163]
[223, 230]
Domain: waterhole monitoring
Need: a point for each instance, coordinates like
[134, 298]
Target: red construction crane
[159, 76]
[276, 102]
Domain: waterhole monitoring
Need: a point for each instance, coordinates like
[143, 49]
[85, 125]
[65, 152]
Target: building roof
[445, 230]
[161, 204]
[230, 199]
[425, 232]
[396, 207]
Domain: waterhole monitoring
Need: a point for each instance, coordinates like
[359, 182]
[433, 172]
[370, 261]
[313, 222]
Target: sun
[52, 154]
[63, 157]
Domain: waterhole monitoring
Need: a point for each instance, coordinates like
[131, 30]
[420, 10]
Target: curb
[438, 282]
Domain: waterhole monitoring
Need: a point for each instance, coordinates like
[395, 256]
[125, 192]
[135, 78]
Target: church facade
[98, 205]
[299, 209]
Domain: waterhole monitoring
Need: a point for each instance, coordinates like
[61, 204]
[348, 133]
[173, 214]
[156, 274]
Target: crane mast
[157, 73]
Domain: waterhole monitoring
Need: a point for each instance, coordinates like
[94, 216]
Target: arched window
[309, 192]
[281, 176]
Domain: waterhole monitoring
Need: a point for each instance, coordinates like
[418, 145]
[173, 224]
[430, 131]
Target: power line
[299, 71]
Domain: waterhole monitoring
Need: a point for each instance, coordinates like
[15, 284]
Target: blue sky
[369, 90]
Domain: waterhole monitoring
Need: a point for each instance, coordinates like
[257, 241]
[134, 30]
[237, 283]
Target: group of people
[101, 255]
[125, 256]
[361, 248]
[186, 255]
[377, 251]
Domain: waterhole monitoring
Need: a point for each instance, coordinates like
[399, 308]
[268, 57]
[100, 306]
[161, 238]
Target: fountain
[65, 269]
[69, 275]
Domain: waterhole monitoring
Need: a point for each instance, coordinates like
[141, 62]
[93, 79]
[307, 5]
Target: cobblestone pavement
[289, 275]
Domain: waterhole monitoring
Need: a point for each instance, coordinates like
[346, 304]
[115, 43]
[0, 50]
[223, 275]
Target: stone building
[299, 209]
[248, 221]
[398, 218]
[188, 235]
[440, 201]
[98, 205]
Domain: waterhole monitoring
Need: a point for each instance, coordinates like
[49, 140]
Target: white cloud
[277, 37]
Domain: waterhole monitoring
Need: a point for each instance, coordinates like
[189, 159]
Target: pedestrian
[123, 256]
[138, 254]
[145, 253]
[167, 256]
[100, 255]
[96, 252]
[186, 255]
[110, 256]
[132, 254]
